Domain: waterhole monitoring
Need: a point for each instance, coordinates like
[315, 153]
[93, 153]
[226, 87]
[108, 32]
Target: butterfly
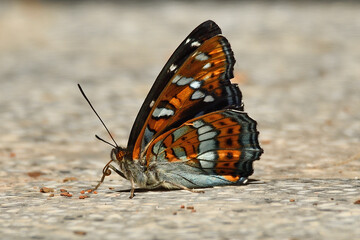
[191, 131]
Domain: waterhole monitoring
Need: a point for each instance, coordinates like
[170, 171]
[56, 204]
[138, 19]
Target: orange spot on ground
[35, 174]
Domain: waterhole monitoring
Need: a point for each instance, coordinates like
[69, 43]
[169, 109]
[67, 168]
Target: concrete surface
[297, 66]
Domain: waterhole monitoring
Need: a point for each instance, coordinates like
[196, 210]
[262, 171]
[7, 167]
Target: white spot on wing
[158, 147]
[176, 78]
[202, 57]
[180, 153]
[162, 112]
[184, 81]
[187, 40]
[204, 129]
[210, 156]
[198, 123]
[208, 135]
[195, 84]
[195, 44]
[207, 145]
[206, 66]
[152, 103]
[197, 95]
[209, 98]
[147, 136]
[173, 67]
[207, 160]
[180, 132]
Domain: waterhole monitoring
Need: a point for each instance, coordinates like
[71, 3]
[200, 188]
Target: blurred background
[297, 66]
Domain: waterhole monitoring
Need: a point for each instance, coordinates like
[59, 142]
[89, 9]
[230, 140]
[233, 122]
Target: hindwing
[221, 144]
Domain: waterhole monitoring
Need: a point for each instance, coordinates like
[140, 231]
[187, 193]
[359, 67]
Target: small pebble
[66, 194]
[69, 179]
[46, 190]
[80, 233]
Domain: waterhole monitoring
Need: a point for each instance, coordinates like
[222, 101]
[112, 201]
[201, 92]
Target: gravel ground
[297, 66]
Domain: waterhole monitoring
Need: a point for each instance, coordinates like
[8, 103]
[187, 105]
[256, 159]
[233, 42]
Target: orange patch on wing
[231, 178]
[213, 85]
[229, 155]
[176, 102]
[224, 123]
[157, 124]
[228, 130]
[191, 67]
[226, 164]
[212, 46]
[212, 117]
[229, 142]
[168, 141]
[191, 150]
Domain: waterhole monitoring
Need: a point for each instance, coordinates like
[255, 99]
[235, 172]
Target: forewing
[201, 85]
[204, 31]
[218, 148]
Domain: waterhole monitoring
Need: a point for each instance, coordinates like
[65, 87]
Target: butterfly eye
[114, 154]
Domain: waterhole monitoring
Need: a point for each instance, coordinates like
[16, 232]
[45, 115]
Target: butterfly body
[191, 131]
[211, 150]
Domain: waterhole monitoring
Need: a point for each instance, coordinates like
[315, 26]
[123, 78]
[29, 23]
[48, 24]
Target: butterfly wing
[200, 34]
[217, 148]
[199, 86]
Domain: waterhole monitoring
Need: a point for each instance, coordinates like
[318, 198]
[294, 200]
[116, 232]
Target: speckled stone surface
[297, 66]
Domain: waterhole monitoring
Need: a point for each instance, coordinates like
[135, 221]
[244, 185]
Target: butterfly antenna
[82, 92]
[99, 138]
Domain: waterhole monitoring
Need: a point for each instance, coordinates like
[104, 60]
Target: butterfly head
[117, 154]
[120, 156]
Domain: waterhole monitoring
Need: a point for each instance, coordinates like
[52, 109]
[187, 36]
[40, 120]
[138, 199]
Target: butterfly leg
[132, 187]
[167, 184]
[185, 188]
[106, 172]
